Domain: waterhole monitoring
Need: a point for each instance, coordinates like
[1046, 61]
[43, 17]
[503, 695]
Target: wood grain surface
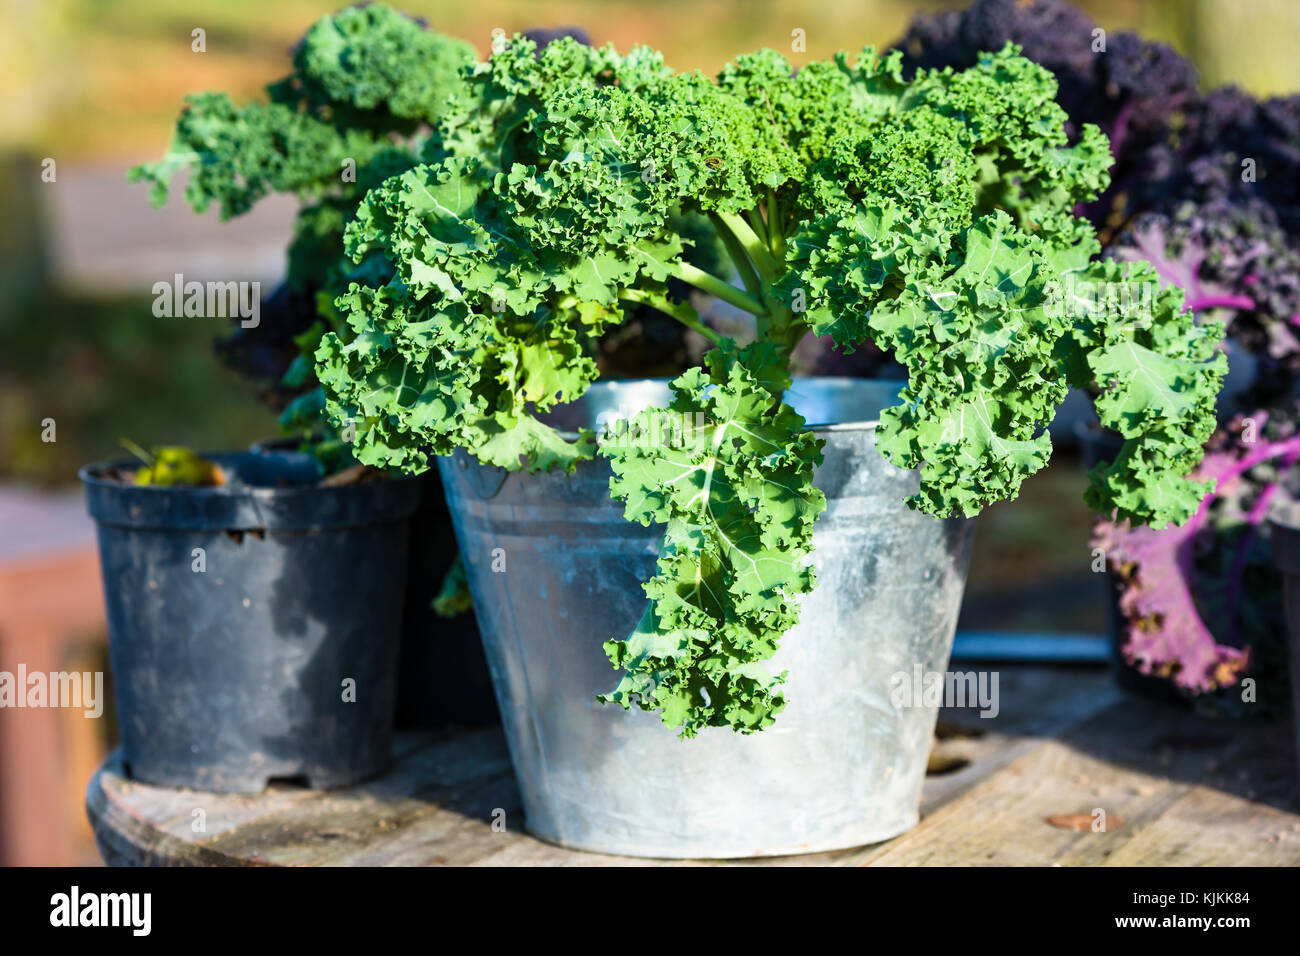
[1071, 772]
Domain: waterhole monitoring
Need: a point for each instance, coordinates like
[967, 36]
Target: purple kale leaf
[1189, 616]
[1231, 256]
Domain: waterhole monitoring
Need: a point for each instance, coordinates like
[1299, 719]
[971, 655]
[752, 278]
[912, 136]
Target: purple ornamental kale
[1222, 147]
[1185, 592]
[1233, 257]
[544, 37]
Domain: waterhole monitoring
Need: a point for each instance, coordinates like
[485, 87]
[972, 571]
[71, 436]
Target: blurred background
[89, 88]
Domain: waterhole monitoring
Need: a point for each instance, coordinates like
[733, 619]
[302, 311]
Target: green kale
[470, 231]
[932, 218]
[361, 78]
[367, 83]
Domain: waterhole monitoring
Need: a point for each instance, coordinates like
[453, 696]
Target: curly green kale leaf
[945, 234]
[373, 64]
[362, 78]
[493, 112]
[727, 467]
[978, 342]
[236, 155]
[1158, 372]
[960, 145]
[501, 278]
[824, 103]
[981, 319]
[476, 329]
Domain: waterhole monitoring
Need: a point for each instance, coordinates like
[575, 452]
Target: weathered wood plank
[1137, 761]
[337, 826]
[1209, 827]
[1003, 820]
[524, 850]
[162, 820]
[1175, 789]
[1036, 703]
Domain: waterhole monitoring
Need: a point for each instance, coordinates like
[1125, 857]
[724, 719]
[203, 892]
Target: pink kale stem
[1271, 450]
[1290, 449]
[1222, 302]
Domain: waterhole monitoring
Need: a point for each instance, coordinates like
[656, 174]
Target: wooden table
[1176, 789]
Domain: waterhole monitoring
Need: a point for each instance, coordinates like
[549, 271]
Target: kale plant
[932, 218]
[366, 82]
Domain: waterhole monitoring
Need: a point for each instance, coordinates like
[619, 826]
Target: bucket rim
[843, 383]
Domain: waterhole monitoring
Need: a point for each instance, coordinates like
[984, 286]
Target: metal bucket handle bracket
[486, 481]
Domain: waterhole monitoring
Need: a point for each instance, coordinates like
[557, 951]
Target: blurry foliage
[101, 368]
[106, 369]
[90, 78]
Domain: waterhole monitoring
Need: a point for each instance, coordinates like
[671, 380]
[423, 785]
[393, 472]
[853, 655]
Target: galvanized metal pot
[556, 570]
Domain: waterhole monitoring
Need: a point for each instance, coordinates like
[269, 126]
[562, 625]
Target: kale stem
[738, 257]
[775, 228]
[133, 448]
[768, 268]
[725, 291]
[682, 311]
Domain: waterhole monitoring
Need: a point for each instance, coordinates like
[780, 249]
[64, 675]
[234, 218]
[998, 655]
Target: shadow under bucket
[556, 570]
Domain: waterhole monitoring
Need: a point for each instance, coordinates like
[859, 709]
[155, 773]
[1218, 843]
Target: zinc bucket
[556, 570]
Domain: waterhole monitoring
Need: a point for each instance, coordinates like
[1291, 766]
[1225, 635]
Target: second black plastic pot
[1285, 528]
[253, 627]
[442, 675]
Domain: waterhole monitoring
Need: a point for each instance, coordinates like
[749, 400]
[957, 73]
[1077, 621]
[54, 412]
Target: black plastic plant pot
[1285, 527]
[253, 626]
[442, 670]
